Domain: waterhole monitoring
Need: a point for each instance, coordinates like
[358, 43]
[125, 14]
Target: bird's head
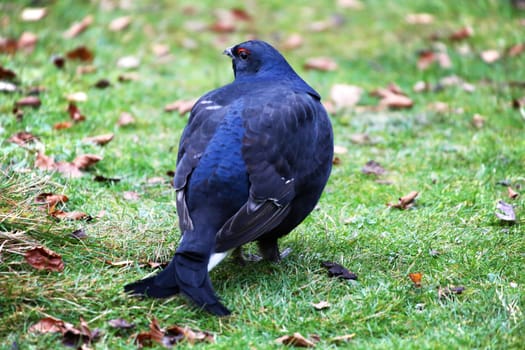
[256, 57]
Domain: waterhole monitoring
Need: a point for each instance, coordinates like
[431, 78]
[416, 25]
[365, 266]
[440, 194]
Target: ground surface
[451, 235]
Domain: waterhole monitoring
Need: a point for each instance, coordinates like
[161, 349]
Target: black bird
[252, 163]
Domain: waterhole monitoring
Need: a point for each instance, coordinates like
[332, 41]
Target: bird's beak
[228, 52]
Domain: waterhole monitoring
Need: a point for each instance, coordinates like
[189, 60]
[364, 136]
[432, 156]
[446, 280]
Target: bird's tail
[187, 273]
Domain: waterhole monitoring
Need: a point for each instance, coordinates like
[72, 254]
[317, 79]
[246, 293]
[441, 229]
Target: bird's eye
[243, 53]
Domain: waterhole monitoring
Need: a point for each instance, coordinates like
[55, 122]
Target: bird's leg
[269, 250]
[241, 258]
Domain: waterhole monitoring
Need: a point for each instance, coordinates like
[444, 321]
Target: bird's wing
[276, 146]
[204, 119]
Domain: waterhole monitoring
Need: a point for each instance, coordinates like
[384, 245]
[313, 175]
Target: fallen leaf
[350, 4]
[120, 23]
[63, 125]
[419, 18]
[325, 64]
[77, 97]
[181, 106]
[506, 212]
[29, 101]
[360, 138]
[157, 180]
[49, 325]
[68, 169]
[345, 96]
[421, 86]
[44, 162]
[425, 59]
[33, 14]
[478, 121]
[128, 62]
[83, 336]
[296, 340]
[81, 53]
[336, 270]
[58, 61]
[392, 97]
[321, 305]
[340, 149]
[454, 80]
[121, 323]
[42, 258]
[125, 118]
[512, 194]
[294, 41]
[461, 34]
[516, 50]
[447, 292]
[131, 196]
[415, 277]
[7, 87]
[27, 41]
[102, 84]
[100, 139]
[373, 168]
[22, 138]
[86, 160]
[86, 69]
[490, 56]
[79, 234]
[405, 202]
[100, 178]
[70, 215]
[8, 45]
[7, 74]
[342, 338]
[160, 50]
[51, 199]
[241, 14]
[171, 335]
[74, 113]
[78, 27]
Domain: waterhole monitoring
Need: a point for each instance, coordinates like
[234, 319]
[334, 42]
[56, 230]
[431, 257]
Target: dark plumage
[252, 163]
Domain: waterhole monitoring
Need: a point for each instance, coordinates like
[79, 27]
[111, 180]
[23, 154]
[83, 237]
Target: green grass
[455, 167]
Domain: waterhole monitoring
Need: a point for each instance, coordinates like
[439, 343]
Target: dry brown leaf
[419, 18]
[71, 215]
[125, 119]
[405, 202]
[74, 113]
[490, 56]
[77, 97]
[373, 168]
[86, 69]
[360, 138]
[8, 45]
[342, 338]
[516, 50]
[294, 41]
[63, 125]
[22, 138]
[86, 160]
[51, 199]
[80, 53]
[336, 160]
[102, 84]
[447, 292]
[241, 14]
[505, 212]
[68, 169]
[425, 59]
[478, 121]
[296, 340]
[160, 50]
[512, 194]
[321, 305]
[345, 96]
[44, 162]
[78, 27]
[49, 325]
[100, 140]
[7, 74]
[33, 14]
[120, 23]
[171, 335]
[415, 277]
[325, 64]
[181, 106]
[131, 196]
[42, 258]
[27, 41]
[29, 101]
[121, 323]
[461, 34]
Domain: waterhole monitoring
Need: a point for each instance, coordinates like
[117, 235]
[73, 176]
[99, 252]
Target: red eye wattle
[243, 53]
